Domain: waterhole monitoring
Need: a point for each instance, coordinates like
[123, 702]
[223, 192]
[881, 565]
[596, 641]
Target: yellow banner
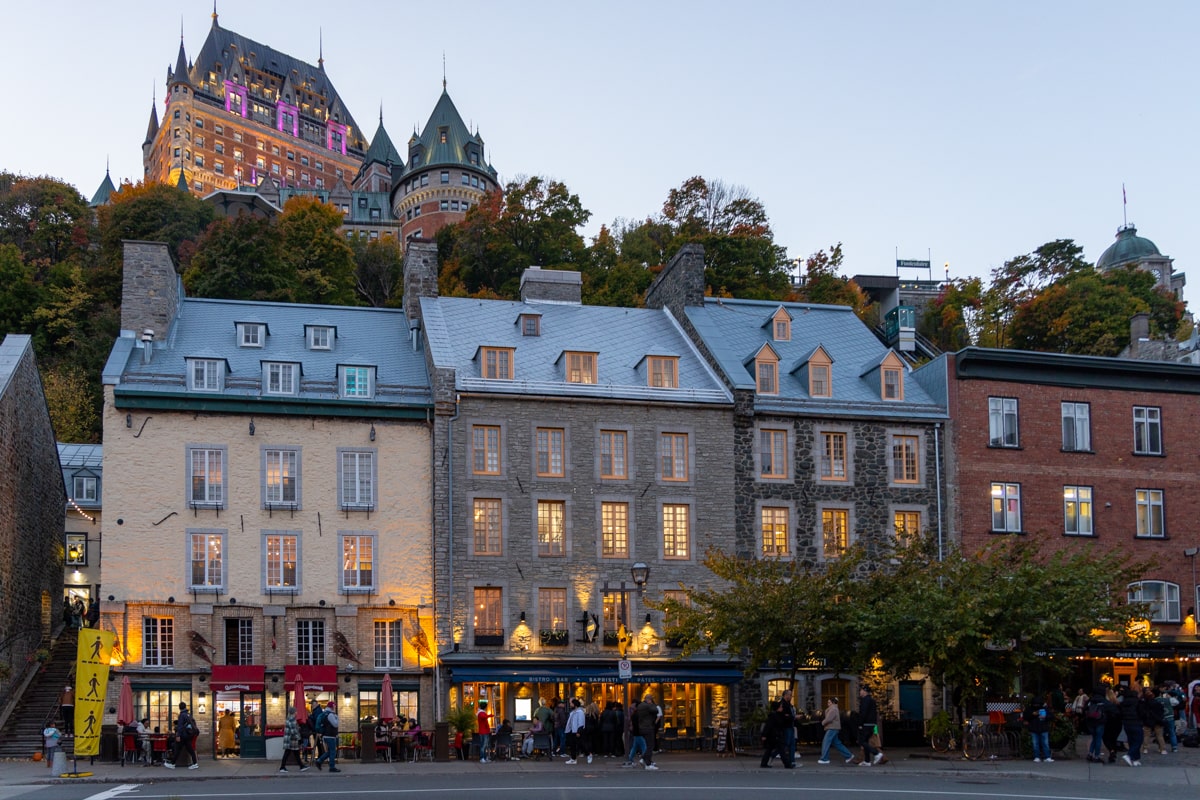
[91, 686]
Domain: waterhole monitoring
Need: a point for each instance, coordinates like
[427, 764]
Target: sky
[960, 132]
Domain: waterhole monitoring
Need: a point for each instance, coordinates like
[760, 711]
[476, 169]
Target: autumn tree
[610, 278]
[313, 248]
[824, 284]
[47, 220]
[951, 320]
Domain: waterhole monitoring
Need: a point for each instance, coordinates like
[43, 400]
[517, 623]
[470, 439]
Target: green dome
[1129, 247]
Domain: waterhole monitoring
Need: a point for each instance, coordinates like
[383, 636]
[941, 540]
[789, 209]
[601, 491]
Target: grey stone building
[834, 440]
[32, 499]
[581, 467]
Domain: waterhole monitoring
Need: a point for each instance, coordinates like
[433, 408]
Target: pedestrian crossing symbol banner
[91, 686]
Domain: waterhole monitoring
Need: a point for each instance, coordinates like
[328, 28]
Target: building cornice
[222, 404]
[1060, 369]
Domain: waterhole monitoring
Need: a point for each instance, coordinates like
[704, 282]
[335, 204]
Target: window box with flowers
[555, 638]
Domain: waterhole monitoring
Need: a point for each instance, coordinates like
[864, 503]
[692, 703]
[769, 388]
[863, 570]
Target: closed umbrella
[299, 703]
[387, 705]
[125, 703]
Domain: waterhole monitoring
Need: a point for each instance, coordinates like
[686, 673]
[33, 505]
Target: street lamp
[641, 574]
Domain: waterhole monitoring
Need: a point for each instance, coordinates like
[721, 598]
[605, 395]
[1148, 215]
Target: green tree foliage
[824, 284]
[951, 320]
[74, 404]
[240, 258]
[611, 280]
[46, 219]
[534, 222]
[314, 250]
[20, 294]
[378, 270]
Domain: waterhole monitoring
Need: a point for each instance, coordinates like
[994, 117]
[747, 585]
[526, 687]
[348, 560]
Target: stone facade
[31, 509]
[150, 290]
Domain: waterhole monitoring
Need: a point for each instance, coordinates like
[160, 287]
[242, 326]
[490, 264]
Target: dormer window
[581, 367]
[205, 374]
[767, 375]
[891, 377]
[357, 382]
[781, 326]
[496, 363]
[531, 325]
[663, 371]
[252, 334]
[320, 337]
[819, 369]
[280, 377]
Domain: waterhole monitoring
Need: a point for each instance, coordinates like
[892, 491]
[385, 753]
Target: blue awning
[682, 672]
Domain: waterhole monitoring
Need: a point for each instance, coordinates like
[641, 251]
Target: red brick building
[1085, 453]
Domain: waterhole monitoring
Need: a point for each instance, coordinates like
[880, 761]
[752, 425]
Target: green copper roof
[102, 194]
[382, 149]
[1128, 248]
[446, 140]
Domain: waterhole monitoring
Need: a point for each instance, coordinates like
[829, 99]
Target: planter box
[555, 638]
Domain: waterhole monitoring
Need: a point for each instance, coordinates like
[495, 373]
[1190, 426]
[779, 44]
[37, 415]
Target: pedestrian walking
[832, 723]
[1133, 719]
[185, 739]
[574, 730]
[291, 742]
[868, 713]
[329, 732]
[774, 737]
[637, 742]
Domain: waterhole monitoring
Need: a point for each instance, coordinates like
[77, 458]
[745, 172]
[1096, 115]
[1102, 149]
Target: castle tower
[446, 173]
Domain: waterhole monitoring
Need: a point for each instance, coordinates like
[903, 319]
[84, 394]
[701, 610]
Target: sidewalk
[1175, 769]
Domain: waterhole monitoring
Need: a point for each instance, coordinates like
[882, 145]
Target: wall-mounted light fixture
[372, 434]
[233, 601]
[171, 599]
[392, 602]
[112, 597]
[641, 574]
[252, 426]
[129, 420]
[346, 696]
[321, 603]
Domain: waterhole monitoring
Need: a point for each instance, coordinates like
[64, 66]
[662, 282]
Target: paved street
[910, 773]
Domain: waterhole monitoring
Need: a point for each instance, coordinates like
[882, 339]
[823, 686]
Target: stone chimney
[1139, 328]
[150, 289]
[420, 275]
[681, 283]
[554, 285]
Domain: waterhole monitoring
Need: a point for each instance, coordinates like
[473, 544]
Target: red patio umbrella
[125, 703]
[299, 702]
[387, 704]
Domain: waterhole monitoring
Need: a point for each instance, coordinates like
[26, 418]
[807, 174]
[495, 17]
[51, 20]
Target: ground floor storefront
[1143, 665]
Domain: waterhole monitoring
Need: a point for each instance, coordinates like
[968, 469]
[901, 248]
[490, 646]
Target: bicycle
[944, 741]
[976, 742]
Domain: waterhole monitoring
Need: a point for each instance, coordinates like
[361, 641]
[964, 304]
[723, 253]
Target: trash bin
[59, 765]
[441, 741]
[274, 748]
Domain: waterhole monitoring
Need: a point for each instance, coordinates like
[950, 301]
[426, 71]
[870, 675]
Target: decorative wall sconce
[372, 431]
[252, 426]
[129, 420]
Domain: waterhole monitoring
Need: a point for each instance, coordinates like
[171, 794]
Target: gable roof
[731, 328]
[457, 327]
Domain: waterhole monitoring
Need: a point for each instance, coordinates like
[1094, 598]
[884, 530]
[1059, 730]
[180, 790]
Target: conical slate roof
[181, 64]
[102, 194]
[152, 128]
[445, 139]
[382, 150]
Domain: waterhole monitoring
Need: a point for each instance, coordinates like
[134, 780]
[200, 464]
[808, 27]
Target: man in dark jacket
[185, 739]
[774, 737]
[868, 714]
[1133, 717]
[647, 721]
[1038, 717]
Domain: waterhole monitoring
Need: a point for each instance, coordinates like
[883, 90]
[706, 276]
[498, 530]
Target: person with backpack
[1168, 711]
[185, 739]
[1094, 716]
[315, 712]
[329, 732]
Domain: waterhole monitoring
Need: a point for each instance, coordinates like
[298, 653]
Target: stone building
[581, 468]
[82, 470]
[31, 513]
[1132, 250]
[835, 440]
[267, 481]
[1085, 453]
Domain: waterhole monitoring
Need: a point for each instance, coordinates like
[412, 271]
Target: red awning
[317, 678]
[241, 678]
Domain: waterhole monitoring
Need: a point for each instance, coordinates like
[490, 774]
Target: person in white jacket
[575, 725]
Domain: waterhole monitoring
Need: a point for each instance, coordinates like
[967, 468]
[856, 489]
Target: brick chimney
[555, 285]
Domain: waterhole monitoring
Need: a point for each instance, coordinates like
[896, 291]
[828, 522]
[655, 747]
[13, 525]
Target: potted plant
[462, 719]
[555, 638]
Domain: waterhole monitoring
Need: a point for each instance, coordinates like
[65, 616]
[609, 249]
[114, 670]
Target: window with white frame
[310, 641]
[320, 337]
[1162, 596]
[1002, 422]
[281, 554]
[1077, 510]
[357, 478]
[551, 527]
[85, 489]
[1076, 427]
[1006, 507]
[281, 377]
[1147, 431]
[281, 476]
[204, 374]
[389, 644]
[357, 382]
[206, 473]
[206, 559]
[158, 642]
[358, 561]
[251, 334]
[1150, 519]
[77, 550]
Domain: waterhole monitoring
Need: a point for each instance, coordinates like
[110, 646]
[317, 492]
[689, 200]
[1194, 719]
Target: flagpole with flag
[1124, 207]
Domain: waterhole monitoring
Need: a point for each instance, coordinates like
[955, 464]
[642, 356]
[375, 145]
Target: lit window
[835, 532]
[676, 531]
[487, 622]
[1006, 507]
[905, 460]
[1162, 596]
[485, 449]
[357, 479]
[77, 550]
[775, 538]
[552, 609]
[614, 530]
[550, 452]
[612, 455]
[673, 456]
[833, 457]
[1077, 510]
[497, 364]
[358, 562]
[581, 367]
[207, 565]
[551, 529]
[907, 526]
[281, 472]
[1002, 422]
[158, 642]
[664, 372]
[1076, 427]
[204, 374]
[1150, 521]
[1147, 431]
[281, 552]
[281, 378]
[356, 382]
[772, 446]
[488, 530]
[206, 473]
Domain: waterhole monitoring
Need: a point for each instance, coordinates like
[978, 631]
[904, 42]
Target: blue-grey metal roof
[733, 331]
[80, 456]
[204, 328]
[456, 328]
